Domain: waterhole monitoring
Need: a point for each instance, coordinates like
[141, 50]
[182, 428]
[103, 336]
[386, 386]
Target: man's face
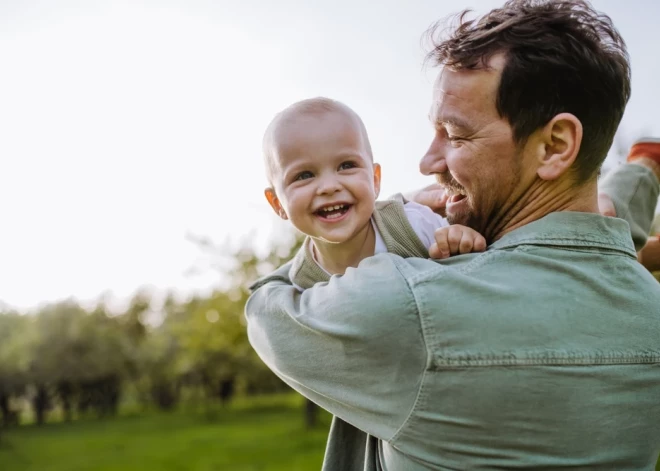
[473, 154]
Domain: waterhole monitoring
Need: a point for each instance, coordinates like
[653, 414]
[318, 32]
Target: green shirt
[541, 353]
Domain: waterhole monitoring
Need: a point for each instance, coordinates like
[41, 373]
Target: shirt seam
[587, 360]
[563, 241]
[574, 248]
[428, 362]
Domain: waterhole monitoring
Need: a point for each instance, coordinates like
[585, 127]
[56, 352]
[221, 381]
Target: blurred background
[132, 215]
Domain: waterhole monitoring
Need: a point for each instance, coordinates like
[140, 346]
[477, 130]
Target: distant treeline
[83, 361]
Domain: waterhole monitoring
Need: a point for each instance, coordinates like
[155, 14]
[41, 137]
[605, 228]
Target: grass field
[263, 435]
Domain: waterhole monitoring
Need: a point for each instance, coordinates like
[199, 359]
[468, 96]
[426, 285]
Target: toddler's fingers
[442, 248]
[455, 236]
[467, 242]
[434, 251]
[479, 243]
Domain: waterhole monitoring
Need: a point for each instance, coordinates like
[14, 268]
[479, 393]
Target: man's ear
[561, 139]
[274, 202]
[377, 179]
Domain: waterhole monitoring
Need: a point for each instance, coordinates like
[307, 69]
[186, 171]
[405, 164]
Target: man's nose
[434, 160]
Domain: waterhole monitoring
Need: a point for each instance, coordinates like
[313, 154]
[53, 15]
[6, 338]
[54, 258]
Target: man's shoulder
[416, 270]
[281, 275]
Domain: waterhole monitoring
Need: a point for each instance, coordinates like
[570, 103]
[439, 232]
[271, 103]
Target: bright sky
[125, 125]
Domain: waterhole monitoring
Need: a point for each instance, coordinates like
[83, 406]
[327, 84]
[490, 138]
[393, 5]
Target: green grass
[264, 435]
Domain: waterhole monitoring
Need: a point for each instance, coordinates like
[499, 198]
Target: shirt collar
[574, 229]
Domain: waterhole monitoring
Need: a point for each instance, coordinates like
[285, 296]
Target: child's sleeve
[424, 221]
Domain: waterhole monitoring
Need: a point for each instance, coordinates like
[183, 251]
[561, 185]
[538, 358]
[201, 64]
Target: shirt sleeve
[424, 221]
[353, 345]
[634, 191]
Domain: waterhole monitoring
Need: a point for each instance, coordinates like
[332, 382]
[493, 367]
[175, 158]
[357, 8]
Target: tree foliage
[82, 360]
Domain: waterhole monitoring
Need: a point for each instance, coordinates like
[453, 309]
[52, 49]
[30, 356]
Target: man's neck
[336, 258]
[540, 199]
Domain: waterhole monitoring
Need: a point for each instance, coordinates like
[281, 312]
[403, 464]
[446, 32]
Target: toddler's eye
[304, 175]
[347, 165]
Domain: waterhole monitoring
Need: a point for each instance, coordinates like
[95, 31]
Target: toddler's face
[324, 179]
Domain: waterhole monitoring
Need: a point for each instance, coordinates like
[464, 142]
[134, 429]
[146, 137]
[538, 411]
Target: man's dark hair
[561, 56]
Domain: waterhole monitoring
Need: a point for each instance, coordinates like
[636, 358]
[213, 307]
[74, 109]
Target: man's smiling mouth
[454, 194]
[456, 197]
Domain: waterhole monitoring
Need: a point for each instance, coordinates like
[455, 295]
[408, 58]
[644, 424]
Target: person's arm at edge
[634, 190]
[649, 256]
[353, 345]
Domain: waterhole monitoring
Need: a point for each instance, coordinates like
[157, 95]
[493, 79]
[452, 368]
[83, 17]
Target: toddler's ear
[376, 179]
[274, 202]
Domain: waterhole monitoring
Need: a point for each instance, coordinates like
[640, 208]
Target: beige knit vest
[392, 224]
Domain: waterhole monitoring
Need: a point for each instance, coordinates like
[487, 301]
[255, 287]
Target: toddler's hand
[456, 239]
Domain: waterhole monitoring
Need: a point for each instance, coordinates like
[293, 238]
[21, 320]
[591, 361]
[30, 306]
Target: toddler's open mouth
[332, 212]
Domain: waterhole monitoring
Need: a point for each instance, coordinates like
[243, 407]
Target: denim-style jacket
[541, 353]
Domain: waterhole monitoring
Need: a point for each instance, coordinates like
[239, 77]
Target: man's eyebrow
[450, 121]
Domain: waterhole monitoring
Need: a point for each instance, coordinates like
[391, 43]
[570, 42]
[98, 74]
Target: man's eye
[304, 175]
[454, 140]
[347, 165]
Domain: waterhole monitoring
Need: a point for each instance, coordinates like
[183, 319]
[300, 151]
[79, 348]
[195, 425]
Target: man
[541, 353]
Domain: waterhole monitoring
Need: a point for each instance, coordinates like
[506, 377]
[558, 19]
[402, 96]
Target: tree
[15, 330]
[77, 355]
[245, 266]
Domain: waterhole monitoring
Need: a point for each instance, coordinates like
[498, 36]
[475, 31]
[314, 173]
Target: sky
[126, 125]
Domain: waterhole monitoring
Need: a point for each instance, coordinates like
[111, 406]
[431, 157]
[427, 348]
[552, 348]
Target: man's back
[538, 354]
[542, 378]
